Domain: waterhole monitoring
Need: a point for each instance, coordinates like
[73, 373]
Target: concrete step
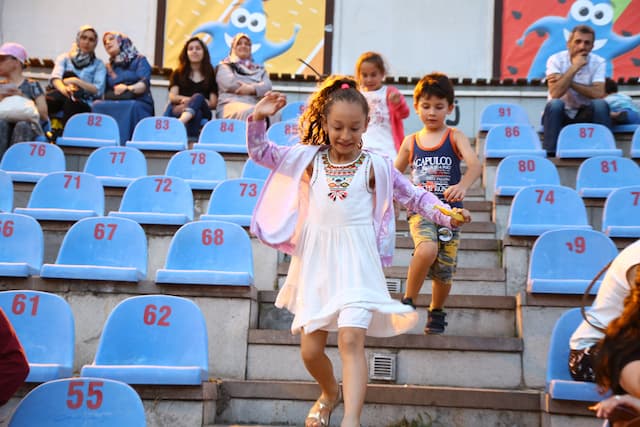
[453, 361]
[467, 315]
[287, 403]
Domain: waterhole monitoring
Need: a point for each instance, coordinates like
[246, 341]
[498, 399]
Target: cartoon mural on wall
[280, 32]
[532, 32]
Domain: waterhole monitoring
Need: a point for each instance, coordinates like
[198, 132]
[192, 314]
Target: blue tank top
[436, 169]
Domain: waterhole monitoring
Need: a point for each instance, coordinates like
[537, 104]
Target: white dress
[379, 136]
[337, 264]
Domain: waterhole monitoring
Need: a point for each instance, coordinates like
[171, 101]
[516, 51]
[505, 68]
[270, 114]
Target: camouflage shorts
[423, 230]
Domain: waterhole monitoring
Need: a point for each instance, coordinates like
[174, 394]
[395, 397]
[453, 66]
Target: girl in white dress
[330, 204]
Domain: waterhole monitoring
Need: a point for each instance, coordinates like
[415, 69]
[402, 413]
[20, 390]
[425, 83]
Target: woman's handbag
[17, 108]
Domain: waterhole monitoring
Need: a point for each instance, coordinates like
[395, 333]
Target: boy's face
[432, 111]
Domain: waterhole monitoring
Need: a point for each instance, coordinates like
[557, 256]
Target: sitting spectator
[617, 365]
[623, 110]
[576, 85]
[193, 90]
[241, 82]
[12, 82]
[14, 367]
[607, 306]
[128, 90]
[78, 77]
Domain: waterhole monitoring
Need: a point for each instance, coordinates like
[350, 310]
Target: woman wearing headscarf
[128, 88]
[241, 82]
[78, 77]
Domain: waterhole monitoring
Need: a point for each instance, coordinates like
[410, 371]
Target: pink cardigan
[281, 209]
[397, 112]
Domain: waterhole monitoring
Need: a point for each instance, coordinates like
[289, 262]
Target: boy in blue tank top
[434, 154]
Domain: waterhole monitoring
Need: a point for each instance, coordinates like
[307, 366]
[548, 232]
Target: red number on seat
[94, 120]
[290, 129]
[526, 166]
[253, 189]
[504, 112]
[7, 228]
[116, 154]
[18, 306]
[162, 124]
[579, 245]
[98, 231]
[201, 158]
[38, 149]
[511, 131]
[76, 395]
[216, 237]
[69, 178]
[604, 166]
[636, 196]
[586, 132]
[548, 198]
[226, 127]
[150, 316]
[164, 185]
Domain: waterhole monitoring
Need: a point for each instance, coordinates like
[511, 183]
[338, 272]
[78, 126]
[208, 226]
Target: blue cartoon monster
[250, 19]
[598, 15]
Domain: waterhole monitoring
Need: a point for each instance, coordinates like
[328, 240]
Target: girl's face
[111, 45]
[242, 48]
[88, 41]
[195, 51]
[371, 76]
[345, 123]
[433, 111]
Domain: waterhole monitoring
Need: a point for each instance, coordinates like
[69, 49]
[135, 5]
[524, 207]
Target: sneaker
[408, 301]
[435, 322]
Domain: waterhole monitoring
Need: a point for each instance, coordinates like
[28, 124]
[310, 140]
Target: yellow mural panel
[282, 30]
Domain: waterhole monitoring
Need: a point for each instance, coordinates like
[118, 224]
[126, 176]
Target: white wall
[415, 36]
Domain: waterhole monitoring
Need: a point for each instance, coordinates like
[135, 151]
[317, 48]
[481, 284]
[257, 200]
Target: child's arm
[402, 159]
[261, 150]
[423, 202]
[398, 104]
[457, 192]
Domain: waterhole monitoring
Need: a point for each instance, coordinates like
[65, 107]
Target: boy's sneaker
[435, 322]
[408, 301]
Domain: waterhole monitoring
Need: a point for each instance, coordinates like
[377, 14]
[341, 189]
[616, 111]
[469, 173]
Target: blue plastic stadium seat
[209, 253]
[46, 329]
[559, 383]
[103, 248]
[90, 130]
[621, 214]
[233, 200]
[65, 196]
[116, 166]
[201, 169]
[21, 245]
[253, 170]
[284, 133]
[627, 128]
[582, 140]
[80, 402]
[6, 192]
[505, 140]
[30, 161]
[503, 114]
[153, 339]
[223, 136]
[564, 261]
[518, 171]
[600, 175]
[635, 144]
[159, 133]
[293, 110]
[539, 208]
[157, 199]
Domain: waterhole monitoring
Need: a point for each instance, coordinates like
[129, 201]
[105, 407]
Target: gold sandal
[321, 408]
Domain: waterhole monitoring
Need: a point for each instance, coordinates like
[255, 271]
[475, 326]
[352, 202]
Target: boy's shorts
[444, 267]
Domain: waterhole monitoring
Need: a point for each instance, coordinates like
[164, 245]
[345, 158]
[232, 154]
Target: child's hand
[455, 193]
[270, 103]
[394, 98]
[465, 213]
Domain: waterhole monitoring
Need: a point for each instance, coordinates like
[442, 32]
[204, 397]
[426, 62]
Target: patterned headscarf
[128, 51]
[243, 66]
[79, 58]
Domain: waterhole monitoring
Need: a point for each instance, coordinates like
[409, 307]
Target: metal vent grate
[382, 367]
[394, 285]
